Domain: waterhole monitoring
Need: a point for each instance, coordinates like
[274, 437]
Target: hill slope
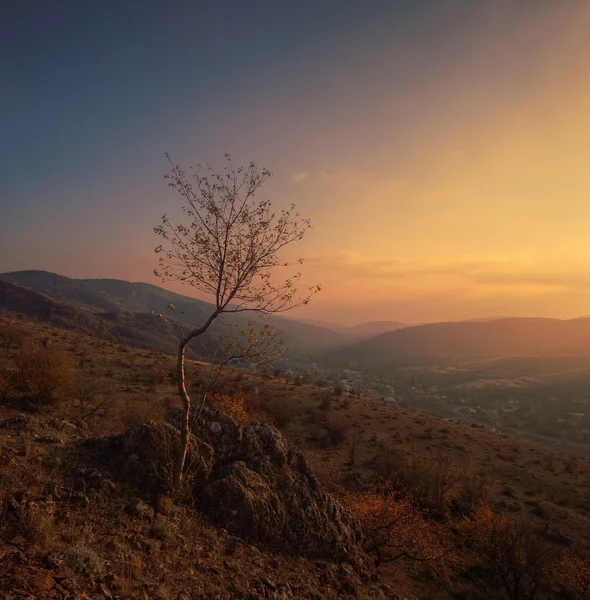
[114, 296]
[371, 329]
[441, 343]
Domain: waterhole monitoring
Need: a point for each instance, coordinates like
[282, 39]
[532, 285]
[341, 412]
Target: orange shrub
[233, 405]
[394, 528]
[45, 375]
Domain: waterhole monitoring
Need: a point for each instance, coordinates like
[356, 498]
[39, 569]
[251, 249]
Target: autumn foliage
[394, 528]
[233, 405]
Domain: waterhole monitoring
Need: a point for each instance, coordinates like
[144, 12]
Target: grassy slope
[525, 477]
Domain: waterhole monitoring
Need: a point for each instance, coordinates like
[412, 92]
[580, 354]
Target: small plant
[92, 397]
[161, 530]
[85, 561]
[233, 405]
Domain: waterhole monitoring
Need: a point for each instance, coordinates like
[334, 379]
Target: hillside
[76, 524]
[444, 343]
[370, 329]
[116, 296]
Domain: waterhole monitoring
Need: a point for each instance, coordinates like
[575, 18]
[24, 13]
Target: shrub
[472, 491]
[84, 560]
[514, 555]
[162, 530]
[233, 405]
[336, 431]
[10, 336]
[92, 397]
[393, 528]
[45, 375]
[428, 478]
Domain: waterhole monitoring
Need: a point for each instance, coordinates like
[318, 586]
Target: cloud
[299, 177]
[472, 276]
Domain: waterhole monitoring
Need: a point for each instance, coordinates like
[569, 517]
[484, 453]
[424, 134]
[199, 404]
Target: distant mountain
[114, 296]
[319, 323]
[370, 329]
[444, 343]
[143, 330]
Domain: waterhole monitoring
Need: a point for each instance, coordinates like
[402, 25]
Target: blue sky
[389, 115]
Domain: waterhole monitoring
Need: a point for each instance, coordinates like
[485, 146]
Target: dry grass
[436, 461]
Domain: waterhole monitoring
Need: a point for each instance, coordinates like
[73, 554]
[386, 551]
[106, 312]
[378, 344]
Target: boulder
[262, 489]
[150, 449]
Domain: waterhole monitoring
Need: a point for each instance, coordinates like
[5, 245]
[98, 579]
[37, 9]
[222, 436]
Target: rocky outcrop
[262, 488]
[248, 480]
[150, 451]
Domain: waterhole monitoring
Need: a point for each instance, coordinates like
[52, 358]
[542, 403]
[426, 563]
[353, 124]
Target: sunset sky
[440, 148]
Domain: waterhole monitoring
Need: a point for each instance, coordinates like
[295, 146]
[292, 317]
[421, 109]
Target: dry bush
[233, 405]
[336, 431]
[394, 528]
[11, 336]
[85, 561]
[513, 554]
[429, 479]
[472, 490]
[92, 396]
[45, 375]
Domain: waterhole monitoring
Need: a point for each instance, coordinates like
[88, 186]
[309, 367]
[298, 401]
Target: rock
[150, 447]
[262, 489]
[245, 504]
[164, 505]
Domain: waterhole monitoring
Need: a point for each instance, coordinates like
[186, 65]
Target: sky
[441, 148]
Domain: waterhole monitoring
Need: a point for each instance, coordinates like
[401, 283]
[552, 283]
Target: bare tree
[228, 248]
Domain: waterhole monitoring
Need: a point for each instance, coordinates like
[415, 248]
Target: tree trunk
[186, 401]
[185, 427]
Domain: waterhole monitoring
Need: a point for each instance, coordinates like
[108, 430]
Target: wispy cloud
[299, 177]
